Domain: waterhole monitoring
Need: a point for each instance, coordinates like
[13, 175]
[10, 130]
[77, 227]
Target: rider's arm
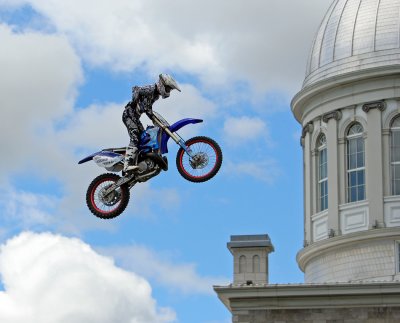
[144, 96]
[149, 113]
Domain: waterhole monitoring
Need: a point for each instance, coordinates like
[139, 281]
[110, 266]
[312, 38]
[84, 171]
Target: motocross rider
[142, 101]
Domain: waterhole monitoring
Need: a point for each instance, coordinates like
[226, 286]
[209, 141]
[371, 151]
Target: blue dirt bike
[198, 160]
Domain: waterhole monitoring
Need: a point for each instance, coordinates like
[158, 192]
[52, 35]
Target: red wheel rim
[97, 188]
[215, 163]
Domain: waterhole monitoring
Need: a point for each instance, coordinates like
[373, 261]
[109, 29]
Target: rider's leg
[134, 129]
[130, 159]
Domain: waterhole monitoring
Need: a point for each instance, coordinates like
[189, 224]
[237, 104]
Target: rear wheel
[106, 206]
[205, 163]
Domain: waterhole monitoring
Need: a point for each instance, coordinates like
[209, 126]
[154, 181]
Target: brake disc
[199, 161]
[110, 199]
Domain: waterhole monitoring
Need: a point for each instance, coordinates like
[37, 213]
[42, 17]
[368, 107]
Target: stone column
[307, 181]
[373, 163]
[331, 119]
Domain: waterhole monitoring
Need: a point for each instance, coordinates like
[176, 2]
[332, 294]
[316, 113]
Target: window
[355, 164]
[395, 156]
[322, 174]
[242, 264]
[398, 256]
[256, 264]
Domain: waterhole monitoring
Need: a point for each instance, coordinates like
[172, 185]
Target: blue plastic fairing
[175, 127]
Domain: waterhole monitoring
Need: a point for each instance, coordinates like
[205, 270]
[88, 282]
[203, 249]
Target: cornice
[306, 296]
[301, 99]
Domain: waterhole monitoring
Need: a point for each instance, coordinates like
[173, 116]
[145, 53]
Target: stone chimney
[250, 258]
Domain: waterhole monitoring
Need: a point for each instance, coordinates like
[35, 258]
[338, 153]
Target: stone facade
[342, 315]
[373, 260]
[313, 303]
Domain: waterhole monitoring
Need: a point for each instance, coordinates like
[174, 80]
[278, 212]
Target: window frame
[393, 129]
[322, 200]
[242, 264]
[397, 256]
[256, 264]
[357, 169]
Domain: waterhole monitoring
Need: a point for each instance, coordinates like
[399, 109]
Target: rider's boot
[130, 158]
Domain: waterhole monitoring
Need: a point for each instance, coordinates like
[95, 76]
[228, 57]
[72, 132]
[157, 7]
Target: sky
[67, 68]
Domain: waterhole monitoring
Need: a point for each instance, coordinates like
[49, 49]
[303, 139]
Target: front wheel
[205, 163]
[106, 206]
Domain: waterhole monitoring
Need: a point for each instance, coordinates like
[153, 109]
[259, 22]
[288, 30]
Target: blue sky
[67, 72]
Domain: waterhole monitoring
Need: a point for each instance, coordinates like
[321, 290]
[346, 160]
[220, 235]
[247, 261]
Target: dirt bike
[198, 160]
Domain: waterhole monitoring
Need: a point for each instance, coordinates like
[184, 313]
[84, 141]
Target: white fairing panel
[107, 159]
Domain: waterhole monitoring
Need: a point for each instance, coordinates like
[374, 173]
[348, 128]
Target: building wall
[326, 315]
[372, 260]
[379, 208]
[373, 102]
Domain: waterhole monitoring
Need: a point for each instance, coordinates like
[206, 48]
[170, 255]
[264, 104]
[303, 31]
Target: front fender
[175, 127]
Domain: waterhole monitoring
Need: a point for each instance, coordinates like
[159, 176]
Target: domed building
[349, 109]
[350, 112]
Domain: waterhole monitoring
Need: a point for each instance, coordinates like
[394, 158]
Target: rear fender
[104, 153]
[173, 128]
[88, 158]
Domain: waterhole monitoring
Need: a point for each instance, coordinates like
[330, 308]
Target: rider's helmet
[165, 84]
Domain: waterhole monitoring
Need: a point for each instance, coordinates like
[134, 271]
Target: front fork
[175, 137]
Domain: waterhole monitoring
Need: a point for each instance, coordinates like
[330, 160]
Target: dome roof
[355, 35]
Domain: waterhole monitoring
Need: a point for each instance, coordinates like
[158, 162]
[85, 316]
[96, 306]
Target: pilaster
[307, 181]
[333, 177]
[374, 163]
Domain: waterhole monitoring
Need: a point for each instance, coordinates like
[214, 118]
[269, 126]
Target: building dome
[355, 35]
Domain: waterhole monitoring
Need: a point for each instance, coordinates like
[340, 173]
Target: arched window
[242, 264]
[395, 155]
[322, 173]
[256, 264]
[355, 164]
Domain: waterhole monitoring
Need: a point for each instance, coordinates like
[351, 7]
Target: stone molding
[337, 115]
[306, 296]
[308, 128]
[373, 75]
[381, 105]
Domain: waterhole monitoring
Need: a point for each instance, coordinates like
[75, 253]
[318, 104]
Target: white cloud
[263, 42]
[162, 270]
[49, 278]
[26, 208]
[39, 78]
[267, 170]
[188, 103]
[243, 129]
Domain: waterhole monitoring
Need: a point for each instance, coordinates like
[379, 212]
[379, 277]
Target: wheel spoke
[205, 166]
[101, 202]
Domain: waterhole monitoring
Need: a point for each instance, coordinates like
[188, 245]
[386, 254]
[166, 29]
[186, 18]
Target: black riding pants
[134, 127]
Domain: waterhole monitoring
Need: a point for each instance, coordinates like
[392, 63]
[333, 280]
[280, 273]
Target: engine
[146, 165]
